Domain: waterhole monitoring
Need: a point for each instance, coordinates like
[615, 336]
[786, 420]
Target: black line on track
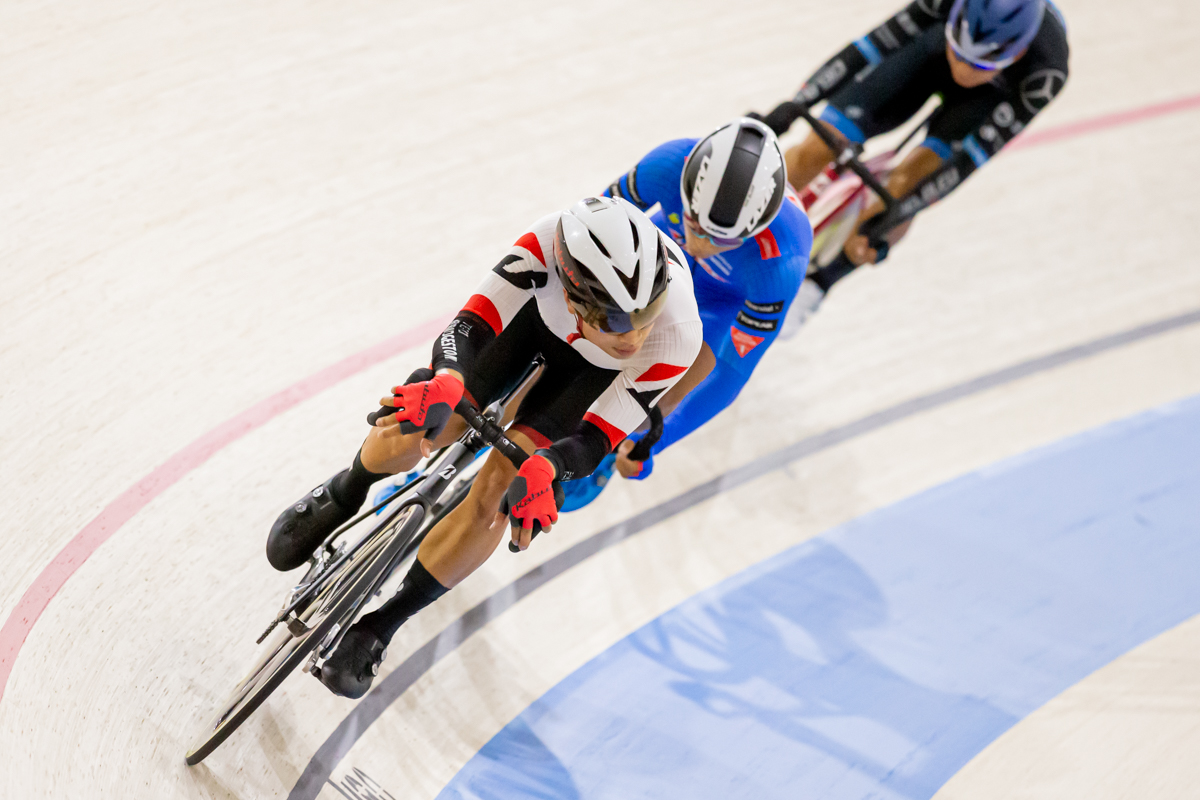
[352, 728]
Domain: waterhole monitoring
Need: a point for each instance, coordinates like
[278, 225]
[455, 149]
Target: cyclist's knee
[386, 450]
[454, 429]
[491, 484]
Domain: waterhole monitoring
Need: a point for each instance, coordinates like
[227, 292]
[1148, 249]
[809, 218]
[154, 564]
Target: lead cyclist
[607, 302]
[724, 198]
[995, 64]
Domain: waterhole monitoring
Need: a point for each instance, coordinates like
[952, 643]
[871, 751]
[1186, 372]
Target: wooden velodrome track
[228, 227]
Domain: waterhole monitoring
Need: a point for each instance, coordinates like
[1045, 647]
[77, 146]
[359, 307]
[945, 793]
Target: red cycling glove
[426, 405]
[534, 497]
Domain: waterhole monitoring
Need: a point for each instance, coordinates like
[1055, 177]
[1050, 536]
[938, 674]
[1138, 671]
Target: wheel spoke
[284, 652]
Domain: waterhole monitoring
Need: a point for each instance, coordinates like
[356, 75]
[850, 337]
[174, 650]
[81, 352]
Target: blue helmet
[992, 34]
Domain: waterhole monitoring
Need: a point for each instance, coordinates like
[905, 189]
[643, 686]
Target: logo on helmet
[701, 176]
[763, 199]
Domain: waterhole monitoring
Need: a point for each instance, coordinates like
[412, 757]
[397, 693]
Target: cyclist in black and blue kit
[725, 200]
[995, 65]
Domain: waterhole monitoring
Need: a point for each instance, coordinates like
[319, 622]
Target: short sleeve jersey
[529, 270]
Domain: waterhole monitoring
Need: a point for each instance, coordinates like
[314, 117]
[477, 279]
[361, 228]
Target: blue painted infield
[876, 660]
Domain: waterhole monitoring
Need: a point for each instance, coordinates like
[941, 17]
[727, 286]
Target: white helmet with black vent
[612, 261]
[733, 181]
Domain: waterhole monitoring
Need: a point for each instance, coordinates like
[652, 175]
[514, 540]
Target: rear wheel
[285, 651]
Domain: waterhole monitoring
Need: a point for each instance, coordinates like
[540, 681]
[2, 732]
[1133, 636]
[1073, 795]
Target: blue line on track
[357, 722]
[876, 660]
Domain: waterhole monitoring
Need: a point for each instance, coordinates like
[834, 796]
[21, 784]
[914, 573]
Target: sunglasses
[982, 66]
[616, 321]
[694, 226]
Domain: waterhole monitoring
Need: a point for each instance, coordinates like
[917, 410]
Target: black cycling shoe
[355, 663]
[300, 529]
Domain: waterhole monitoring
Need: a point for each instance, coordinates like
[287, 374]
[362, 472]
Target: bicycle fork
[456, 458]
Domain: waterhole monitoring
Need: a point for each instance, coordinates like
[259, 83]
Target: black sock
[418, 590]
[837, 269]
[350, 487]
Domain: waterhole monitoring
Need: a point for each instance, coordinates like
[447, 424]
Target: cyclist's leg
[553, 408]
[386, 451]
[876, 102]
[807, 160]
[453, 549]
[467, 536]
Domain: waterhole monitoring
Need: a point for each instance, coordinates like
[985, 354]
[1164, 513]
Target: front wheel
[284, 651]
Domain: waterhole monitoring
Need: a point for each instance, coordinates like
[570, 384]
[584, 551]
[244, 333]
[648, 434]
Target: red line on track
[51, 579]
[1114, 120]
[47, 584]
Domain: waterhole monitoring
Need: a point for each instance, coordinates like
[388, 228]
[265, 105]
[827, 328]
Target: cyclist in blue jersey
[725, 200]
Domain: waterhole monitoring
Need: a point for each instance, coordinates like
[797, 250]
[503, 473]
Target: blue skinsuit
[743, 294]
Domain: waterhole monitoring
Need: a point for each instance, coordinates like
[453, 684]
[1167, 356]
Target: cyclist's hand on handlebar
[876, 234]
[630, 467]
[859, 250]
[882, 228]
[533, 500]
[422, 406]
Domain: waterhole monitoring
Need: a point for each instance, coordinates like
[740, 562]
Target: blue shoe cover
[393, 488]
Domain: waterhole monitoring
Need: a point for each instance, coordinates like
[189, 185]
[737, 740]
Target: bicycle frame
[341, 581]
[483, 429]
[836, 200]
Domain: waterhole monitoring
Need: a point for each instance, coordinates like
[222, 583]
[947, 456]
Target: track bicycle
[836, 198]
[351, 566]
[834, 202]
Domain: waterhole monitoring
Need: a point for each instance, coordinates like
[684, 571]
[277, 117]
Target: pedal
[297, 627]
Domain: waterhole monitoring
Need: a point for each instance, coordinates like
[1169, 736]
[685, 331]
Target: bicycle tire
[287, 652]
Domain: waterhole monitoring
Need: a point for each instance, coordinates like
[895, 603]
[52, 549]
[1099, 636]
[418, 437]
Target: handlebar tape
[641, 450]
[436, 418]
[418, 375]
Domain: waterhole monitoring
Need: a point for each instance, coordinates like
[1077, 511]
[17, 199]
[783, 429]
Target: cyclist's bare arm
[916, 166]
[699, 370]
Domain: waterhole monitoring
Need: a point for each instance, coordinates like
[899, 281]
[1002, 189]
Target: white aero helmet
[612, 261]
[733, 181]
